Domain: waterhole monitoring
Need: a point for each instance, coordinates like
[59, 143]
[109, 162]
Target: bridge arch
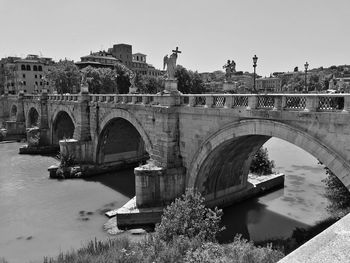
[63, 126]
[231, 149]
[122, 138]
[32, 119]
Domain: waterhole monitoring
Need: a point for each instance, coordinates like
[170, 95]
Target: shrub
[337, 193]
[261, 164]
[243, 251]
[188, 216]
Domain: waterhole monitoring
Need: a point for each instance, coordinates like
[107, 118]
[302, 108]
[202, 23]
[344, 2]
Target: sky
[282, 33]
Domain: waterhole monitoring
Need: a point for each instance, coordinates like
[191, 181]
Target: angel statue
[170, 63]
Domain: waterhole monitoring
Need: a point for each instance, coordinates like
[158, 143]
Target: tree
[149, 84]
[123, 78]
[261, 164]
[103, 80]
[297, 82]
[64, 75]
[189, 81]
[337, 193]
[187, 216]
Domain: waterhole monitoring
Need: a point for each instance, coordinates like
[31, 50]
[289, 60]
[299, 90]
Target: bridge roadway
[205, 141]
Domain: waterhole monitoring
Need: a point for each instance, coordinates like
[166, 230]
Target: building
[7, 74]
[122, 52]
[27, 74]
[136, 62]
[98, 59]
[271, 84]
[141, 67]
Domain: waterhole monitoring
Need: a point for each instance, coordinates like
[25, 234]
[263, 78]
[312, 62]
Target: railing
[276, 102]
[285, 102]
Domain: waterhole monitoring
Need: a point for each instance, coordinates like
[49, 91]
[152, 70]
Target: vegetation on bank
[261, 164]
[187, 233]
[338, 195]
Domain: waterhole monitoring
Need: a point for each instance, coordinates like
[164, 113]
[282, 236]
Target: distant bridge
[205, 141]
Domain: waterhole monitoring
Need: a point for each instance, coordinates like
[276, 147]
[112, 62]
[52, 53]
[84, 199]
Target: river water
[42, 217]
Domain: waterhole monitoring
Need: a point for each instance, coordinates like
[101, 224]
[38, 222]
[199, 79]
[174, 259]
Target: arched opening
[33, 118]
[63, 127]
[120, 142]
[226, 167]
[13, 115]
[221, 165]
[242, 139]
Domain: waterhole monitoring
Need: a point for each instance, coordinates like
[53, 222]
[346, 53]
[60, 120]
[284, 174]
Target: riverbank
[187, 233]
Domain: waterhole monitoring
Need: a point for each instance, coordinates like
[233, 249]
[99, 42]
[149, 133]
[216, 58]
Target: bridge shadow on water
[121, 181]
[253, 220]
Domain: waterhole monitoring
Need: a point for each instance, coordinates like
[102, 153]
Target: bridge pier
[16, 127]
[38, 138]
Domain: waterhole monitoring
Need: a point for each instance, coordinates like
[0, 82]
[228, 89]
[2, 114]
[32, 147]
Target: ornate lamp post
[255, 59]
[306, 65]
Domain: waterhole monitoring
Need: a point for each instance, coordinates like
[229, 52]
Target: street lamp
[255, 59]
[306, 65]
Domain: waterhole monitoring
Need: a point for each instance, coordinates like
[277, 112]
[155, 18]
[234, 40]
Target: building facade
[271, 84]
[122, 52]
[137, 62]
[27, 74]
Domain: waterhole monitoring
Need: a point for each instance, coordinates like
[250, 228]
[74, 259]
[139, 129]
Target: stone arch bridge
[204, 141]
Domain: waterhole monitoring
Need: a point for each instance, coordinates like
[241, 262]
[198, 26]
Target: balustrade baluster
[209, 101]
[311, 103]
[229, 102]
[278, 103]
[144, 100]
[252, 102]
[192, 101]
[346, 108]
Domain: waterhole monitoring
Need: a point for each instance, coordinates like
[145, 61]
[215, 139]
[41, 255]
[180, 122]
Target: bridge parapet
[283, 102]
[65, 97]
[141, 99]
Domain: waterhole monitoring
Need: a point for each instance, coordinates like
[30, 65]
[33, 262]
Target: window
[28, 67]
[41, 76]
[23, 67]
[24, 76]
[36, 83]
[35, 76]
[35, 68]
[24, 83]
[41, 83]
[40, 68]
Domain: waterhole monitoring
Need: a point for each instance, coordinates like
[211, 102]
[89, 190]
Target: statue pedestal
[171, 86]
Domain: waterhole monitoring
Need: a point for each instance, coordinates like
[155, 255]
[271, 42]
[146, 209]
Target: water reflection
[254, 221]
[122, 181]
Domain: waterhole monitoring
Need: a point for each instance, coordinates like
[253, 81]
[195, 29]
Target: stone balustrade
[281, 102]
[285, 102]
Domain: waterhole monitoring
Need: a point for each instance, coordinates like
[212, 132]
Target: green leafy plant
[337, 193]
[188, 216]
[261, 164]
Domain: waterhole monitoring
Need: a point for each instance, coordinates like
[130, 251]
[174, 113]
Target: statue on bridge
[230, 68]
[170, 63]
[84, 83]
